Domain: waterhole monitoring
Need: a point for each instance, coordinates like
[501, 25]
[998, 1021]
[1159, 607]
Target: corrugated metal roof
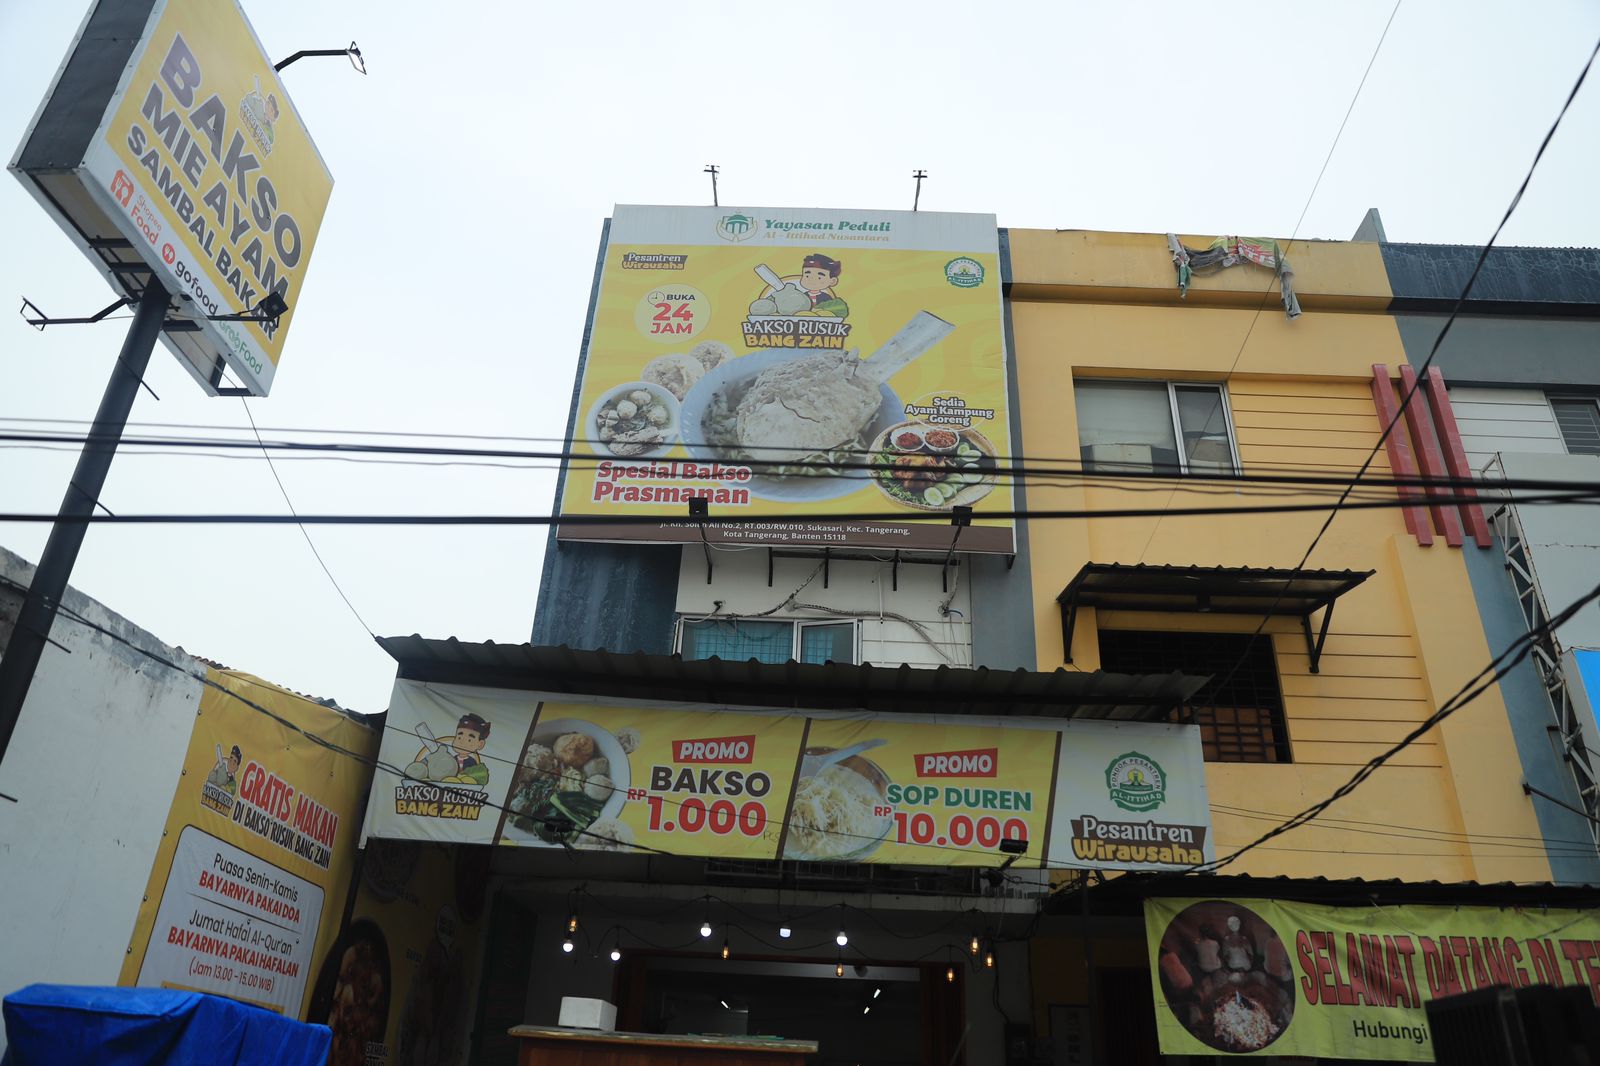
[830, 686]
[1223, 589]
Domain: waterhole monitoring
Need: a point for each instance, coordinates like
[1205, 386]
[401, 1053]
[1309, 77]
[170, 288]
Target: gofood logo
[737, 227]
[715, 750]
[975, 762]
[1136, 782]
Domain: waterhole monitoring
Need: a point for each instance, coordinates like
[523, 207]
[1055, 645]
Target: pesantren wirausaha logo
[1136, 782]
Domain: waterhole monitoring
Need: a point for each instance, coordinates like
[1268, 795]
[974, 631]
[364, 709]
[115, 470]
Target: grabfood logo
[1136, 782]
[737, 227]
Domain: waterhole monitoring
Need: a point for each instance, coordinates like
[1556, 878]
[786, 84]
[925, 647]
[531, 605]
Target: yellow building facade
[1089, 309]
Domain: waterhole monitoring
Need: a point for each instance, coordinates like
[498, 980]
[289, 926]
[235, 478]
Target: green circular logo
[1136, 782]
[964, 273]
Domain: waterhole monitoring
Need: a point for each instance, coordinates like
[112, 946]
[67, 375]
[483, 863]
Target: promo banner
[255, 863]
[1253, 976]
[537, 770]
[794, 364]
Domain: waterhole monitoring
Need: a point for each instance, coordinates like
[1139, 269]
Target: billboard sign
[827, 378]
[168, 145]
[1276, 978]
[254, 867]
[493, 766]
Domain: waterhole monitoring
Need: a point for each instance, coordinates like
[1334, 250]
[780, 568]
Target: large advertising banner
[254, 866]
[397, 987]
[202, 162]
[542, 770]
[824, 374]
[1253, 976]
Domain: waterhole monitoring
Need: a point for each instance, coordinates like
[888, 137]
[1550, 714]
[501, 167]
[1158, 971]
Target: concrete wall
[862, 589]
[92, 767]
[1494, 420]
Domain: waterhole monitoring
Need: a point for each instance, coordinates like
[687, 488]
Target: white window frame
[1177, 423]
[1568, 397]
[797, 624]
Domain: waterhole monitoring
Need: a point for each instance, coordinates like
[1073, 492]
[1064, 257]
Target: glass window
[1154, 426]
[1125, 425]
[1204, 424]
[737, 640]
[1579, 419]
[827, 642]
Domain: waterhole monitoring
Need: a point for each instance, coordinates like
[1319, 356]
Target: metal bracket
[894, 573]
[1314, 646]
[961, 518]
[43, 320]
[1069, 621]
[699, 511]
[827, 561]
[769, 568]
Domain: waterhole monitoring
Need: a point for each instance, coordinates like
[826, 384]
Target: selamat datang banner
[511, 767]
[1267, 977]
[788, 365]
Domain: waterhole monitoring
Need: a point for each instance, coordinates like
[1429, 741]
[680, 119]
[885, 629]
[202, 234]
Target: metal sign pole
[38, 613]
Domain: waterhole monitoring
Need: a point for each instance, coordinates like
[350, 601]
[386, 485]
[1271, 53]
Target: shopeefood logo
[737, 227]
[1136, 782]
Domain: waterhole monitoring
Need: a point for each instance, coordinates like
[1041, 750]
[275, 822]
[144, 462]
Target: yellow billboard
[813, 377]
[171, 117]
[497, 766]
[1277, 978]
[254, 866]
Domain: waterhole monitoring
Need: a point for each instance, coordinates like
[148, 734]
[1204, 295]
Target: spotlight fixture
[876, 992]
[867, 1009]
[616, 954]
[566, 945]
[724, 1004]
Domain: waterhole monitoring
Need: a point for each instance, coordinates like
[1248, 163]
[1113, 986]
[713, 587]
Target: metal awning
[1219, 590]
[826, 686]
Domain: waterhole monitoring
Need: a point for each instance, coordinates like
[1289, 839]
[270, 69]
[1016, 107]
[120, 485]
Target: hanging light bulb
[973, 947]
[785, 932]
[572, 923]
[838, 970]
[566, 945]
[724, 947]
[950, 974]
[616, 954]
[988, 959]
[705, 928]
[841, 939]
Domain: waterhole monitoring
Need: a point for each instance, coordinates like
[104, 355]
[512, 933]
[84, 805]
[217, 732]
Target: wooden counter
[550, 1045]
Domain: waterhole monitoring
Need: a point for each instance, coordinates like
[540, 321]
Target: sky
[475, 163]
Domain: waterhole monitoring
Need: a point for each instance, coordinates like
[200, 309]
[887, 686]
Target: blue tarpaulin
[51, 1024]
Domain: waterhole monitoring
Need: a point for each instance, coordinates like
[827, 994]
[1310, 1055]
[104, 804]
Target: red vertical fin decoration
[1445, 519]
[1400, 460]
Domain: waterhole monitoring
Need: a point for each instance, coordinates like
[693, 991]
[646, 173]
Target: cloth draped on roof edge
[51, 1024]
[1230, 251]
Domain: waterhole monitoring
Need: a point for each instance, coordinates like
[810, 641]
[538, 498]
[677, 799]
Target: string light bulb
[566, 945]
[724, 947]
[988, 959]
[973, 947]
[838, 969]
[572, 923]
[616, 954]
[705, 929]
[950, 974]
[785, 932]
[841, 939]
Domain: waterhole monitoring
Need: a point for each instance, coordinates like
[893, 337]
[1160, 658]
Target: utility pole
[919, 175]
[49, 583]
[712, 170]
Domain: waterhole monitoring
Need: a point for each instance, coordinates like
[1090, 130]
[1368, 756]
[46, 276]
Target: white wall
[862, 588]
[93, 765]
[1504, 420]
